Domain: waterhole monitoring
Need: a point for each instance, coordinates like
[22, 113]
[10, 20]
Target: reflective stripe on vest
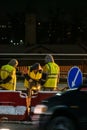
[52, 75]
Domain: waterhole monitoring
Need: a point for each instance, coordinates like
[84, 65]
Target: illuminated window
[3, 26]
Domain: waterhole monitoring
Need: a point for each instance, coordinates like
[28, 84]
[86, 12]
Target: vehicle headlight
[40, 109]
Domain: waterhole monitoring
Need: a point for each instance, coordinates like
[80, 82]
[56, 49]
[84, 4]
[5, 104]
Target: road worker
[8, 75]
[32, 75]
[53, 73]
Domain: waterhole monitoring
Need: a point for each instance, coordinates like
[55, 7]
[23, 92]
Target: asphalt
[20, 85]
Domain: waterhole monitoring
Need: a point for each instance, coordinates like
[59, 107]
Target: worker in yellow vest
[53, 73]
[32, 75]
[8, 75]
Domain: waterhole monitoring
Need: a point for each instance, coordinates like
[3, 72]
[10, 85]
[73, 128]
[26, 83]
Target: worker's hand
[25, 71]
[30, 80]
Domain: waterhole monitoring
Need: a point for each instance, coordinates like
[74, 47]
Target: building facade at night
[11, 29]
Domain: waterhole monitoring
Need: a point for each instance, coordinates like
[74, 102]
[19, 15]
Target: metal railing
[65, 61]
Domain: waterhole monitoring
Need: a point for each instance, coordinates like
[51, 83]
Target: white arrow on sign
[73, 82]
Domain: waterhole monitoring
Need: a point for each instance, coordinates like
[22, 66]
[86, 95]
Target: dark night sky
[12, 5]
[41, 6]
[18, 5]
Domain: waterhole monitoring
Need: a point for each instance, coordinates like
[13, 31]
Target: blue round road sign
[74, 77]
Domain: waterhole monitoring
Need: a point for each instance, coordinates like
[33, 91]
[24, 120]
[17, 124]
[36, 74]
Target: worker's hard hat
[36, 66]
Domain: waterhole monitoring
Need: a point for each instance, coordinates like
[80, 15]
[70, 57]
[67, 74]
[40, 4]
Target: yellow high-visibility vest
[53, 71]
[8, 70]
[33, 76]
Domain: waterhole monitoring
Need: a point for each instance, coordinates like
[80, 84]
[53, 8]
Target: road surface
[16, 126]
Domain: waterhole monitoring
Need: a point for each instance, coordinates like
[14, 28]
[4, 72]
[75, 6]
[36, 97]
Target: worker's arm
[44, 78]
[27, 77]
[6, 80]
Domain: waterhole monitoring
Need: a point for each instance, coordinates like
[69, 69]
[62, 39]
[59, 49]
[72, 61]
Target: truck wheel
[61, 123]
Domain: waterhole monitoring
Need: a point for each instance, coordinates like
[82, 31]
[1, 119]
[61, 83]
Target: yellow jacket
[33, 76]
[53, 71]
[8, 70]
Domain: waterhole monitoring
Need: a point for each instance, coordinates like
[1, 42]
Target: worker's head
[13, 62]
[36, 67]
[49, 58]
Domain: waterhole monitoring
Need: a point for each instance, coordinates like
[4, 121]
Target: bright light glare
[11, 41]
[59, 94]
[4, 129]
[39, 109]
